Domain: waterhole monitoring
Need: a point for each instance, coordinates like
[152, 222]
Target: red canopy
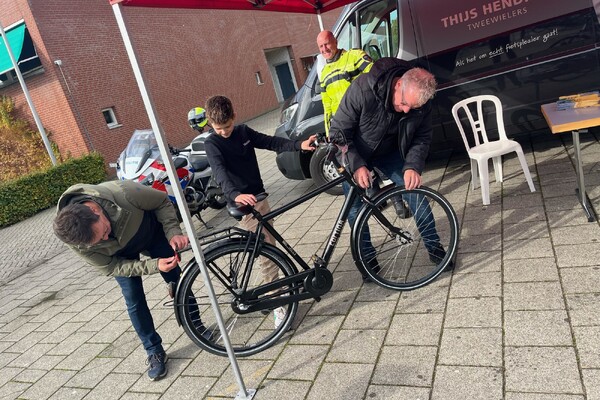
[293, 6]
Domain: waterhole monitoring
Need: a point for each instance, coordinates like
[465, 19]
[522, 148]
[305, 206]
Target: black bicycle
[396, 252]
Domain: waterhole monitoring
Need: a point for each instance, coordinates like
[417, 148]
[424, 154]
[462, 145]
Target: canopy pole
[244, 394]
[320, 20]
[36, 117]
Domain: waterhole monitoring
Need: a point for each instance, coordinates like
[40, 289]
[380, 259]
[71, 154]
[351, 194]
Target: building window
[259, 79]
[24, 53]
[308, 62]
[110, 118]
[10, 77]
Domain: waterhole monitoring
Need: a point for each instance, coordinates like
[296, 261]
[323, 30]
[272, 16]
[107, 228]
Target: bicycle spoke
[249, 332]
[406, 250]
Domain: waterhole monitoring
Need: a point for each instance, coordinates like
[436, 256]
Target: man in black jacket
[385, 117]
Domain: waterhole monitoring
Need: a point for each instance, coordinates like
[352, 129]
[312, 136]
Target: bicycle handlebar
[331, 153]
[333, 146]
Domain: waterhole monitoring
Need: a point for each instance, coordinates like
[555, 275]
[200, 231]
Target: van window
[379, 29]
[378, 35]
[348, 32]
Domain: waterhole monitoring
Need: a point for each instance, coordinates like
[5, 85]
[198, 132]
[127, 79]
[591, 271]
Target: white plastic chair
[484, 149]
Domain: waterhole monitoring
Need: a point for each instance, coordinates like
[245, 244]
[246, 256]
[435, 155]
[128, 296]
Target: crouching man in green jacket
[109, 225]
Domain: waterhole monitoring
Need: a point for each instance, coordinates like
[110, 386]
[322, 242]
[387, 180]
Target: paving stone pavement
[518, 319]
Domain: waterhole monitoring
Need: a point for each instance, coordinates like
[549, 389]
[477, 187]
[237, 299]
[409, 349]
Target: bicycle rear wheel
[406, 252]
[248, 333]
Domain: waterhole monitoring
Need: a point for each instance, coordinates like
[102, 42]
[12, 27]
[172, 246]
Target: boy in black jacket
[233, 160]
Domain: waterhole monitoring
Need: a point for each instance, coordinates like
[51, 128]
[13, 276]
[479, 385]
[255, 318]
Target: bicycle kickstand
[203, 222]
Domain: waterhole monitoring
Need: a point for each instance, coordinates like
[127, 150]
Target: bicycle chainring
[319, 281]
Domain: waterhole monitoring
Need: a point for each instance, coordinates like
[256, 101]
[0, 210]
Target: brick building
[84, 90]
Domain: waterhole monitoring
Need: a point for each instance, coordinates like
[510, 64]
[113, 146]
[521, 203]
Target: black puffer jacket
[366, 114]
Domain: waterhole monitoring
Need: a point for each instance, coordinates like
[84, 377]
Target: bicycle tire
[249, 333]
[411, 261]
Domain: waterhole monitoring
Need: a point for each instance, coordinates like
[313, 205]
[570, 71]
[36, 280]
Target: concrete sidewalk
[517, 319]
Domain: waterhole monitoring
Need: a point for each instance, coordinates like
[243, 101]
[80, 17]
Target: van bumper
[289, 162]
[289, 165]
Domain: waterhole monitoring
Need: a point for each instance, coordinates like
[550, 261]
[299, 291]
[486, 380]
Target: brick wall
[186, 56]
[45, 91]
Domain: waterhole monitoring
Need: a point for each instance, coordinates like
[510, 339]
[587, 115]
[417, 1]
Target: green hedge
[24, 197]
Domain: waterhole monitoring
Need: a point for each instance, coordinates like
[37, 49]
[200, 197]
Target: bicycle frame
[317, 280]
[319, 262]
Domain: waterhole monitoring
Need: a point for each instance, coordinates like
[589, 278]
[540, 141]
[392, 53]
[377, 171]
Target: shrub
[23, 197]
[22, 149]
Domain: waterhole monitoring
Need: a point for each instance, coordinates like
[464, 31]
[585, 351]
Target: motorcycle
[141, 161]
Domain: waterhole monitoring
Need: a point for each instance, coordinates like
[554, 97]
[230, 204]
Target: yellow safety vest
[336, 78]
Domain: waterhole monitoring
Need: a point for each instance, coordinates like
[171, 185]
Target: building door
[285, 80]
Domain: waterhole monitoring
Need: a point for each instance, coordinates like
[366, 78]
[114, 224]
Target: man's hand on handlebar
[310, 144]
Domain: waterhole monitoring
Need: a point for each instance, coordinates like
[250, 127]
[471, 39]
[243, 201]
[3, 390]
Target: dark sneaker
[374, 265]
[437, 254]
[402, 210]
[157, 366]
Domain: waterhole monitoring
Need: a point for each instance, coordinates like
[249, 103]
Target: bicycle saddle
[238, 210]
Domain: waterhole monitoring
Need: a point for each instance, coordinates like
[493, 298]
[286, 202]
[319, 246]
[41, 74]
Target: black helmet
[197, 118]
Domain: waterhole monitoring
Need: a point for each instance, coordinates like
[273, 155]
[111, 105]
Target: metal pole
[320, 20]
[581, 192]
[244, 394]
[36, 117]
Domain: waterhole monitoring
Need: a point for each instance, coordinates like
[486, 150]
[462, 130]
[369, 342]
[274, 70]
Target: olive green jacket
[124, 203]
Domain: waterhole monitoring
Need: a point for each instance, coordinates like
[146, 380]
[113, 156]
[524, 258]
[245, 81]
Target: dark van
[527, 52]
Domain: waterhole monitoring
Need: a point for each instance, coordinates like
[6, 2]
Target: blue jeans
[391, 165]
[139, 313]
[150, 239]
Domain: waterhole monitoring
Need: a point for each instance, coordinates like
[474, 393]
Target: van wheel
[322, 172]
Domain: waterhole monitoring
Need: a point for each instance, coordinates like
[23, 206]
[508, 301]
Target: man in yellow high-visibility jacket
[341, 68]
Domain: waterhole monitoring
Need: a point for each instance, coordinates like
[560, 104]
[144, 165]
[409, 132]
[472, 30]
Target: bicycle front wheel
[407, 246]
[248, 333]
